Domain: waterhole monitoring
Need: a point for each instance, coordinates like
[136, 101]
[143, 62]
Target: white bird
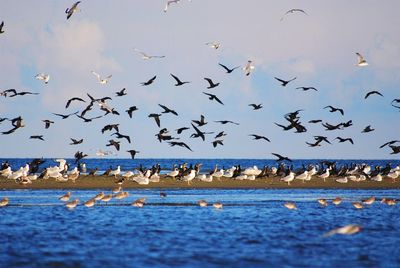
[214, 45]
[248, 68]
[288, 178]
[345, 230]
[303, 176]
[146, 56]
[342, 180]
[205, 178]
[116, 171]
[141, 180]
[325, 175]
[101, 80]
[290, 205]
[44, 77]
[361, 61]
[4, 202]
[170, 2]
[189, 177]
[70, 11]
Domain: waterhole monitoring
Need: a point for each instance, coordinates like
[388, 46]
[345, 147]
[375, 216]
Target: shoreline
[107, 182]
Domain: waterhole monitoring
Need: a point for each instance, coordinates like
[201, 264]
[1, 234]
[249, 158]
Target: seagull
[101, 80]
[284, 83]
[333, 109]
[38, 137]
[228, 70]
[146, 56]
[373, 92]
[121, 93]
[114, 143]
[361, 61]
[70, 11]
[224, 122]
[167, 110]
[344, 139]
[156, 118]
[200, 123]
[179, 82]
[44, 77]
[214, 45]
[1, 27]
[307, 88]
[293, 11]
[47, 123]
[131, 110]
[149, 82]
[65, 116]
[213, 97]
[179, 130]
[133, 153]
[258, 137]
[248, 68]
[181, 144]
[256, 106]
[345, 230]
[367, 129]
[212, 84]
[170, 2]
[75, 142]
[281, 158]
[73, 99]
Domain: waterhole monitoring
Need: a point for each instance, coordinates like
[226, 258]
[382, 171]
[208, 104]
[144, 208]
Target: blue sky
[318, 48]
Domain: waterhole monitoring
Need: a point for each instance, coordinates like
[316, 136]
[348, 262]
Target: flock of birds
[293, 119]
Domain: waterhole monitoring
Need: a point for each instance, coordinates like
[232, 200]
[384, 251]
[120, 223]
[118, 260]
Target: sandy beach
[105, 182]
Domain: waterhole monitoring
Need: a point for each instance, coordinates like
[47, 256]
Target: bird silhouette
[213, 97]
[211, 83]
[228, 70]
[179, 82]
[285, 82]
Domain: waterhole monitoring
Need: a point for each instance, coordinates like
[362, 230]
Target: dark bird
[220, 135]
[167, 110]
[179, 130]
[347, 124]
[256, 106]
[198, 133]
[333, 109]
[149, 82]
[224, 122]
[179, 82]
[70, 11]
[110, 127]
[65, 116]
[181, 144]
[389, 143]
[216, 142]
[131, 110]
[162, 194]
[284, 83]
[114, 143]
[321, 139]
[133, 153]
[47, 123]
[156, 118]
[73, 99]
[315, 144]
[212, 84]
[23, 93]
[87, 109]
[1, 27]
[79, 155]
[7, 92]
[258, 137]
[120, 136]
[200, 123]
[315, 121]
[367, 129]
[281, 158]
[75, 142]
[395, 101]
[373, 92]
[307, 88]
[87, 120]
[121, 93]
[344, 139]
[332, 127]
[290, 11]
[38, 137]
[213, 97]
[228, 71]
[395, 149]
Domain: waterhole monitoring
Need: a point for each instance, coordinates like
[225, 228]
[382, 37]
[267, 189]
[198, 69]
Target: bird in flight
[131, 110]
[121, 93]
[216, 142]
[181, 144]
[75, 142]
[180, 130]
[333, 109]
[65, 116]
[114, 143]
[101, 80]
[281, 158]
[248, 68]
[44, 77]
[120, 136]
[213, 97]
[284, 82]
[169, 3]
[37, 137]
[214, 45]
[212, 84]
[156, 118]
[149, 82]
[307, 88]
[361, 61]
[291, 11]
[200, 122]
[167, 110]
[133, 153]
[344, 139]
[224, 122]
[389, 143]
[70, 11]
[73, 99]
[146, 56]
[373, 92]
[178, 81]
[367, 129]
[228, 70]
[256, 106]
[47, 123]
[258, 137]
[1, 27]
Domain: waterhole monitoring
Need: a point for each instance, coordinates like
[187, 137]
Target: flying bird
[73, 99]
[256, 106]
[307, 88]
[156, 118]
[333, 109]
[87, 120]
[149, 82]
[47, 123]
[1, 27]
[367, 129]
[110, 127]
[361, 61]
[75, 142]
[389, 143]
[101, 80]
[146, 56]
[38, 137]
[395, 101]
[179, 82]
[180, 130]
[395, 149]
[228, 70]
[212, 84]
[258, 137]
[44, 77]
[167, 110]
[291, 11]
[120, 136]
[181, 144]
[133, 153]
[131, 110]
[213, 97]
[216, 142]
[214, 45]
[121, 93]
[285, 82]
[114, 143]
[344, 139]
[248, 68]
[65, 116]
[224, 122]
[373, 92]
[70, 11]
[281, 158]
[220, 135]
[169, 3]
[315, 121]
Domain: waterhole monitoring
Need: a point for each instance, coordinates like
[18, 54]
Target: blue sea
[253, 229]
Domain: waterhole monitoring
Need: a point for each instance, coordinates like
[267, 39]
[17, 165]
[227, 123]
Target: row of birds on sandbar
[188, 173]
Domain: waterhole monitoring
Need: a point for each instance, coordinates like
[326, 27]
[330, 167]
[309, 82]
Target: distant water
[208, 164]
[252, 230]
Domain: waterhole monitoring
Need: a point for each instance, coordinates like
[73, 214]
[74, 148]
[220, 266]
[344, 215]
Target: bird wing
[209, 81]
[176, 78]
[216, 98]
[97, 75]
[280, 80]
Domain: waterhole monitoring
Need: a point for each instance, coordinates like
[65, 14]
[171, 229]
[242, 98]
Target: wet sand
[104, 182]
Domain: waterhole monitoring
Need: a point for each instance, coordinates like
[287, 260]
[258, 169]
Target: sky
[318, 48]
